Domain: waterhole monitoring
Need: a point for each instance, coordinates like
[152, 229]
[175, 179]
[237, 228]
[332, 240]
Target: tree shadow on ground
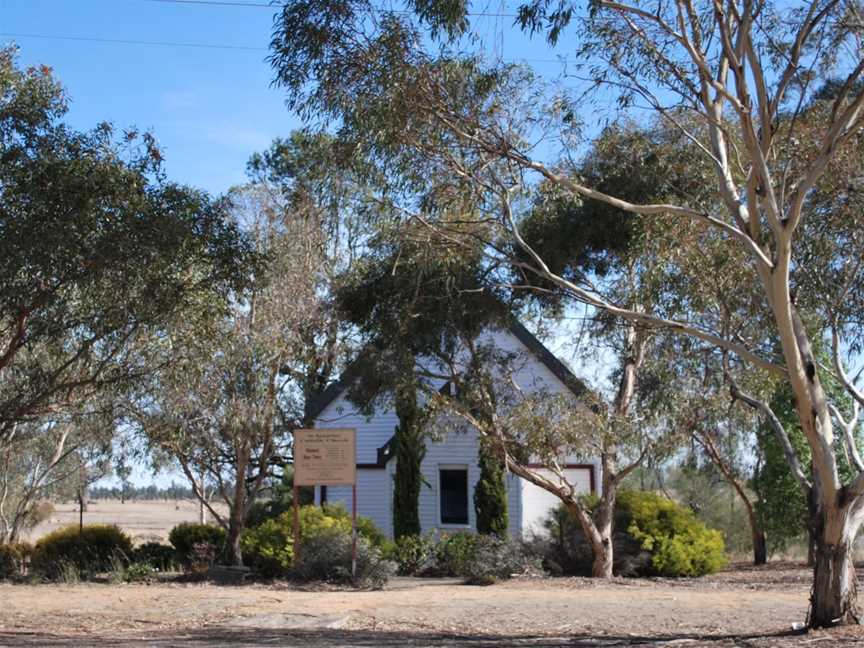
[329, 638]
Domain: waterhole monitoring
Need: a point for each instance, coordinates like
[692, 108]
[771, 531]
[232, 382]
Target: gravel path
[740, 607]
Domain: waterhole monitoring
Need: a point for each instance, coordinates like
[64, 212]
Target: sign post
[326, 457]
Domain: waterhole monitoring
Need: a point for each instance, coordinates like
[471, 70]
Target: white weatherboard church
[450, 468]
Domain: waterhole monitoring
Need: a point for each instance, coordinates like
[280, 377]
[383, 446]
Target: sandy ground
[145, 521]
[741, 607]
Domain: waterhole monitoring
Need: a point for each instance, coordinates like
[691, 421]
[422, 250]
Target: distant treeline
[151, 492]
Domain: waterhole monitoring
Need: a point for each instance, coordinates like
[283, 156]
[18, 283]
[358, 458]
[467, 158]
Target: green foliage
[411, 297]
[138, 572]
[412, 554]
[410, 448]
[782, 506]
[564, 550]
[269, 547]
[155, 554]
[68, 573]
[653, 536]
[680, 545]
[480, 559]
[452, 553]
[490, 496]
[186, 535]
[281, 499]
[90, 550]
[714, 501]
[13, 558]
[327, 557]
[113, 252]
[494, 558]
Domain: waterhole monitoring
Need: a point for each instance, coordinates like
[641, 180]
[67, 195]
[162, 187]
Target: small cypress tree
[490, 495]
[410, 448]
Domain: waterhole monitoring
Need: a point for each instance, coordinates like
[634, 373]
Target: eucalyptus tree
[315, 179]
[741, 71]
[407, 298]
[224, 408]
[45, 462]
[99, 254]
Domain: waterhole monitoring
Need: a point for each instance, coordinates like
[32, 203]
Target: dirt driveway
[741, 607]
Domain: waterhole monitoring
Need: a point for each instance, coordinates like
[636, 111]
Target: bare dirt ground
[144, 520]
[739, 607]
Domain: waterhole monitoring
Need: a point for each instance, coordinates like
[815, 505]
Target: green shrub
[269, 547]
[653, 536]
[412, 554]
[490, 495]
[13, 558]
[87, 551]
[680, 544]
[564, 550]
[327, 557]
[452, 552]
[493, 558]
[67, 573]
[157, 555]
[138, 572]
[186, 535]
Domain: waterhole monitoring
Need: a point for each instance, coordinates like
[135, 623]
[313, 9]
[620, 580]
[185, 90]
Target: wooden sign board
[325, 457]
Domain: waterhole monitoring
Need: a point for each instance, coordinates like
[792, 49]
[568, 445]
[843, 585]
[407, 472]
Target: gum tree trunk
[602, 544]
[835, 587]
[232, 542]
[760, 546]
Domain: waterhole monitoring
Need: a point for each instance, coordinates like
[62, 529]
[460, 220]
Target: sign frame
[329, 458]
[325, 457]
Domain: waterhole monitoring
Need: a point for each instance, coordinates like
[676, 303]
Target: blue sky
[209, 108]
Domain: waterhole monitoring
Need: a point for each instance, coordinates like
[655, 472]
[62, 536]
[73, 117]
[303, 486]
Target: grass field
[145, 521]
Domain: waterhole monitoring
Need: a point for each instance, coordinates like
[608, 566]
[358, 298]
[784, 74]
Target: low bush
[13, 559]
[186, 535]
[269, 547]
[326, 557]
[412, 554]
[203, 556]
[138, 572]
[158, 556]
[88, 551]
[654, 536]
[493, 558]
[680, 545]
[452, 552]
[564, 550]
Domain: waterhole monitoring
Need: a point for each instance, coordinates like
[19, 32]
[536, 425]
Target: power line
[247, 48]
[123, 41]
[219, 3]
[270, 5]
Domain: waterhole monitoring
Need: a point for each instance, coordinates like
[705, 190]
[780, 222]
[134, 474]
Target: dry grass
[145, 521]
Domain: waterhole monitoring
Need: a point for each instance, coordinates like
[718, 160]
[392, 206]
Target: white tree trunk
[835, 586]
